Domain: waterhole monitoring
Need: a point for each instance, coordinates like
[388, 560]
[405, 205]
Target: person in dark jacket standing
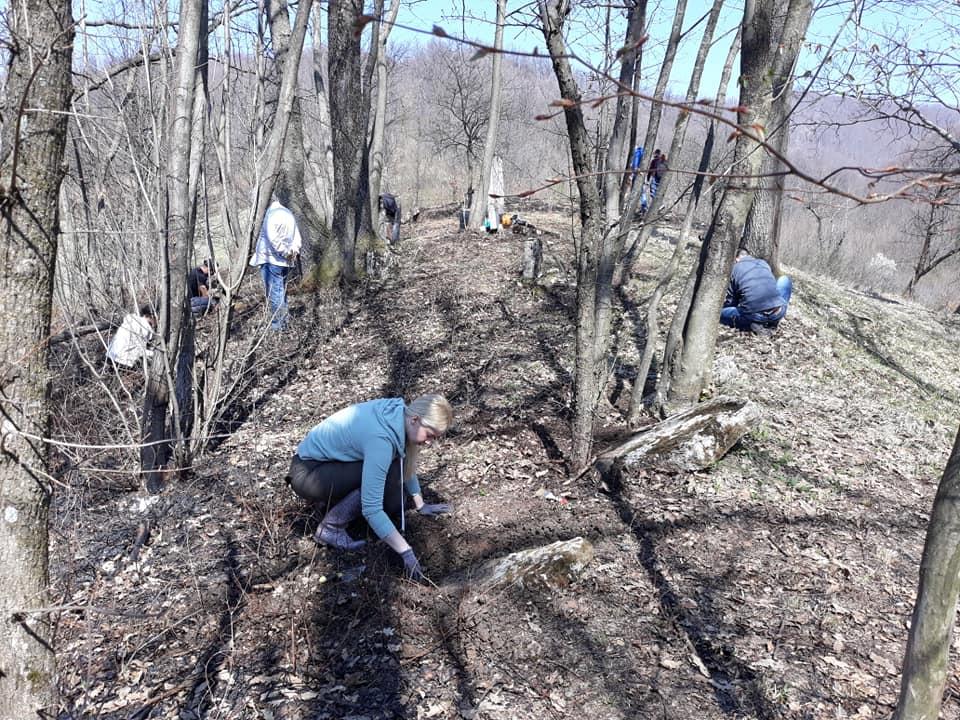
[658, 166]
[756, 301]
[390, 218]
[360, 460]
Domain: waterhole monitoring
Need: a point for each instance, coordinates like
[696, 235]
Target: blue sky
[915, 22]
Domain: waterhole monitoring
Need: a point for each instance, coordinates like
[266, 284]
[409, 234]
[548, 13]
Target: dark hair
[282, 194]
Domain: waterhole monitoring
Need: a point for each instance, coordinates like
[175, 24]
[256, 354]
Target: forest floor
[778, 583]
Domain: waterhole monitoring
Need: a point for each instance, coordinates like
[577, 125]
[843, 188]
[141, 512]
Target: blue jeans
[200, 305]
[275, 285]
[732, 317]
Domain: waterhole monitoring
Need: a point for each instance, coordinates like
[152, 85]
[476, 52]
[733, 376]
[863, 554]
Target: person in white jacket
[277, 250]
[131, 342]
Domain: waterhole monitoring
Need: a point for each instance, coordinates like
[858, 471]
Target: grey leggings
[326, 482]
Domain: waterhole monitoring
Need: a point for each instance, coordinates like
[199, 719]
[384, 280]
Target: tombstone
[376, 264]
[540, 569]
[495, 204]
[532, 259]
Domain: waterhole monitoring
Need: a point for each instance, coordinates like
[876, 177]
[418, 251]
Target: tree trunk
[176, 252]
[348, 119]
[761, 59]
[676, 145]
[620, 134]
[612, 251]
[656, 108]
[634, 106]
[38, 76]
[925, 661]
[761, 234]
[587, 374]
[382, 33]
[295, 172]
[653, 305]
[481, 198]
[272, 153]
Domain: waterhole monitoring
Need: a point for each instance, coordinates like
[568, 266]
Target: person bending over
[360, 459]
[756, 301]
[198, 284]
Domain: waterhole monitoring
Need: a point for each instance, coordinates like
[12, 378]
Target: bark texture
[482, 197]
[760, 57]
[588, 372]
[376, 153]
[296, 174]
[926, 660]
[158, 434]
[31, 171]
[349, 111]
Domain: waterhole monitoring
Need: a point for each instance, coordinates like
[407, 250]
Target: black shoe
[761, 329]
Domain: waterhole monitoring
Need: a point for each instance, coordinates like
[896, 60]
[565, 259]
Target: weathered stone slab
[690, 440]
[550, 566]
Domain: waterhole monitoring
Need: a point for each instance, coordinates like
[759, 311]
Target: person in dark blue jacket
[756, 301]
[360, 460]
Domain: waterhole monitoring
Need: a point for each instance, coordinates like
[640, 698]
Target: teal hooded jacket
[372, 432]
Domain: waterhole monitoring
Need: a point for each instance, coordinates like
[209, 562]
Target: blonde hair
[435, 413]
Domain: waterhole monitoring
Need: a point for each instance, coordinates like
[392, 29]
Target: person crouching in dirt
[360, 459]
[756, 301]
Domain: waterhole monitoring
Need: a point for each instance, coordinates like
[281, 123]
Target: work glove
[434, 509]
[411, 567]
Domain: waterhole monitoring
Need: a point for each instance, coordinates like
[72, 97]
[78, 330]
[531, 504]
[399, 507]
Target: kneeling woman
[360, 459]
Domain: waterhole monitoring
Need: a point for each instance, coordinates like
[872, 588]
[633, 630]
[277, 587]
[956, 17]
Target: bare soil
[776, 584]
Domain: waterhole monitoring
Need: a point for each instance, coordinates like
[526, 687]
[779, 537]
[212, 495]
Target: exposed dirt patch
[777, 584]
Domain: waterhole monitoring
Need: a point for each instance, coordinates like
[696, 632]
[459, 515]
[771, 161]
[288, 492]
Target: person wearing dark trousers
[198, 283]
[756, 301]
[390, 208]
[360, 460]
[658, 166]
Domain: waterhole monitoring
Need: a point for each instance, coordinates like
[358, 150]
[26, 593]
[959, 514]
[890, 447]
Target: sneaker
[338, 538]
[761, 329]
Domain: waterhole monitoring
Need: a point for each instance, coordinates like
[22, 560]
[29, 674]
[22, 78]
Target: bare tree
[38, 46]
[588, 372]
[688, 371]
[458, 93]
[693, 200]
[935, 228]
[381, 33]
[175, 330]
[931, 629]
[761, 233]
[620, 133]
[296, 173]
[656, 108]
[482, 197]
[349, 111]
